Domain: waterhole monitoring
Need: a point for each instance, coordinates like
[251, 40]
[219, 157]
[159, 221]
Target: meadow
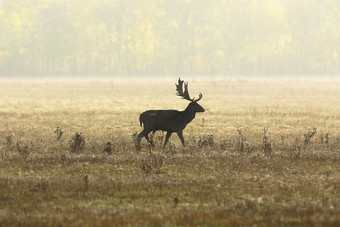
[265, 152]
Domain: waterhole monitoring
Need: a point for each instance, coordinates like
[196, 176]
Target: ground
[265, 152]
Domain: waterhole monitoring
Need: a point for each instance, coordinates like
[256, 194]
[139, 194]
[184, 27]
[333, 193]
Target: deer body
[169, 120]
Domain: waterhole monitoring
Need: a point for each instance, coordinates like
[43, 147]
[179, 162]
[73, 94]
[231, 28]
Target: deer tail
[140, 120]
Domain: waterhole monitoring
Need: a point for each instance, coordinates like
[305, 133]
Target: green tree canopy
[166, 37]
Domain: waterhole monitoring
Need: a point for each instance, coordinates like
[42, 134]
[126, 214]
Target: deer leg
[145, 134]
[152, 135]
[149, 140]
[180, 135]
[140, 136]
[168, 134]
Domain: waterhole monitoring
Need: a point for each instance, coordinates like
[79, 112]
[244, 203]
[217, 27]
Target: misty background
[169, 37]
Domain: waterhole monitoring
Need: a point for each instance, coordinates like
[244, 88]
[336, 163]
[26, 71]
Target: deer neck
[188, 115]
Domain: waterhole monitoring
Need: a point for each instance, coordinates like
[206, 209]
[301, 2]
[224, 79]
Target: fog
[220, 38]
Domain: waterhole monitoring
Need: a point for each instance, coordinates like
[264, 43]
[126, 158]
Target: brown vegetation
[264, 152]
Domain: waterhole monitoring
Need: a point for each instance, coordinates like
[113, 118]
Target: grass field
[264, 152]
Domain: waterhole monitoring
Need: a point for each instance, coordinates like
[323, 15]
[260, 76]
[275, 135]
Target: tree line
[166, 37]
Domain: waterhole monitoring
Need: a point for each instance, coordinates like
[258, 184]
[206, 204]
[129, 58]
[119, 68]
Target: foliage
[82, 37]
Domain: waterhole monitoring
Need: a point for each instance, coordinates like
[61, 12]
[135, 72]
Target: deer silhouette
[170, 120]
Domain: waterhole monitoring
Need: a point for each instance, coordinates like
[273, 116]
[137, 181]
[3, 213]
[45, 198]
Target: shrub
[152, 164]
[78, 142]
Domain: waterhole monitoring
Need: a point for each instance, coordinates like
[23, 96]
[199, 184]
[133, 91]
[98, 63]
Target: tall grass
[264, 153]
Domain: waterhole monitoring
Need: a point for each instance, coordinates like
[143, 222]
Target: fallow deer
[170, 120]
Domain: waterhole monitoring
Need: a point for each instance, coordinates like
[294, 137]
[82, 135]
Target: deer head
[193, 106]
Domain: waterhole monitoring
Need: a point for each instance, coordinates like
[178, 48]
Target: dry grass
[252, 158]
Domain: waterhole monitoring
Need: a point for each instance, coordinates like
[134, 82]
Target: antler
[179, 89]
[199, 98]
[185, 94]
